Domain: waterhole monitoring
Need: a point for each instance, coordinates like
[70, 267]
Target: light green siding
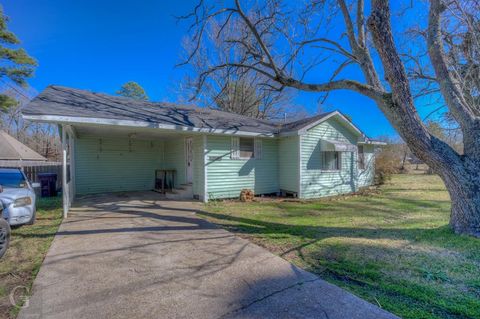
[316, 182]
[365, 177]
[266, 168]
[175, 158]
[109, 164]
[227, 177]
[288, 163]
[198, 167]
[115, 164]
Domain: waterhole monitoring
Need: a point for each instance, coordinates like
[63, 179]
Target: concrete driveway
[136, 256]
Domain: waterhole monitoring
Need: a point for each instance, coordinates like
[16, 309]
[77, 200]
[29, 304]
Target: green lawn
[393, 247]
[28, 247]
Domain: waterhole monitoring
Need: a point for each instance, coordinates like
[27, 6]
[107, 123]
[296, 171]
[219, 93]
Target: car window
[12, 179]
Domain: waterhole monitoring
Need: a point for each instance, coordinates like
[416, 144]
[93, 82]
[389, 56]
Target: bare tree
[285, 41]
[227, 88]
[42, 138]
[460, 31]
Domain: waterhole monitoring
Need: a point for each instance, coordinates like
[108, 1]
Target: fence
[33, 171]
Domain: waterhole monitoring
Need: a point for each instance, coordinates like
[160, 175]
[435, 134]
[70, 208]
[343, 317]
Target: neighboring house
[15, 154]
[117, 143]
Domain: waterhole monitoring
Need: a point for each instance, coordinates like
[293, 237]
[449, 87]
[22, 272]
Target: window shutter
[235, 153]
[258, 149]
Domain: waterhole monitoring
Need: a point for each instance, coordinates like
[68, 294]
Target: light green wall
[266, 168]
[115, 164]
[365, 177]
[227, 177]
[175, 158]
[120, 164]
[316, 182]
[288, 163]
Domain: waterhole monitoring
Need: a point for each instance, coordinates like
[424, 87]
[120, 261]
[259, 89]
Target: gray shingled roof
[297, 125]
[63, 101]
[13, 150]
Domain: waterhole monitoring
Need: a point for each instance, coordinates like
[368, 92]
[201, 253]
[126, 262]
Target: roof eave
[367, 142]
[129, 123]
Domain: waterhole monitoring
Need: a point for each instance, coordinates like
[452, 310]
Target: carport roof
[67, 105]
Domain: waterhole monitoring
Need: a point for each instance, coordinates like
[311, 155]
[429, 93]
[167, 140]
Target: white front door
[189, 159]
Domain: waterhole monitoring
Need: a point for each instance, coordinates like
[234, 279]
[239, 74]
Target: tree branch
[361, 24]
[401, 110]
[352, 85]
[448, 83]
[258, 37]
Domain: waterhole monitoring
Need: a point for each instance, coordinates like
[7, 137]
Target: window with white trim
[246, 148]
[361, 157]
[331, 161]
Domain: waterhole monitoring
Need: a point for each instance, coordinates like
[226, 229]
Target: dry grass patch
[25, 255]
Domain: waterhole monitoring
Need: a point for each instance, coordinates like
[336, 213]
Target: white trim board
[369, 142]
[205, 170]
[299, 193]
[129, 123]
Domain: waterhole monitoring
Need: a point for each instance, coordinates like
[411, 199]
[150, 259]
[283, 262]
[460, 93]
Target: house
[115, 144]
[15, 154]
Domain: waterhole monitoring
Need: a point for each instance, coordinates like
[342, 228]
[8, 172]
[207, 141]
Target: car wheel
[4, 236]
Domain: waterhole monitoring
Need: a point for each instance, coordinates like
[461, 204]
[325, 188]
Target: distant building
[15, 154]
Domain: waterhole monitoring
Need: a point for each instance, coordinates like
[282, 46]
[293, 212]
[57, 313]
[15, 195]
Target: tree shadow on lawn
[370, 261]
[411, 283]
[259, 227]
[372, 213]
[378, 204]
[417, 221]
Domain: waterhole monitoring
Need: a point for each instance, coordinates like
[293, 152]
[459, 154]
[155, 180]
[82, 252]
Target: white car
[17, 197]
[4, 235]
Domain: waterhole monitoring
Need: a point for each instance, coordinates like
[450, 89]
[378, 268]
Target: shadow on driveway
[136, 256]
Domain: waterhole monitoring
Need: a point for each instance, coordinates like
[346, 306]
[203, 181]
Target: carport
[110, 158]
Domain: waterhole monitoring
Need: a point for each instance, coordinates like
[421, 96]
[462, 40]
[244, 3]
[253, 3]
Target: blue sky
[100, 44]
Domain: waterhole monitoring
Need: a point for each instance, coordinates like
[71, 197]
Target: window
[247, 147]
[361, 157]
[12, 178]
[331, 161]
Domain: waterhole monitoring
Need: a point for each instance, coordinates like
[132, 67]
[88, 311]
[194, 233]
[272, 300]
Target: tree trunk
[464, 190]
[460, 173]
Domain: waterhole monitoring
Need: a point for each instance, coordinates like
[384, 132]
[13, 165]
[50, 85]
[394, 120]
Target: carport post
[64, 172]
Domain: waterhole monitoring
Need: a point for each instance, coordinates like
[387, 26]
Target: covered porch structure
[99, 158]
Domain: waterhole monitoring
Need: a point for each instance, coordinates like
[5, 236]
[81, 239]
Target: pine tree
[133, 90]
[16, 65]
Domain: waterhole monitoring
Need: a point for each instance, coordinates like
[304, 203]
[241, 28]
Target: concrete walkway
[135, 256]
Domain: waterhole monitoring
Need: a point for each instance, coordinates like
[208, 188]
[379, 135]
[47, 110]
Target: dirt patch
[14, 288]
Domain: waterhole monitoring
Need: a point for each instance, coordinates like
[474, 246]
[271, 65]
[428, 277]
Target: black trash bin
[48, 184]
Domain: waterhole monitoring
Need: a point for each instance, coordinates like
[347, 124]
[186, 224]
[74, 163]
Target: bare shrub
[389, 160]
